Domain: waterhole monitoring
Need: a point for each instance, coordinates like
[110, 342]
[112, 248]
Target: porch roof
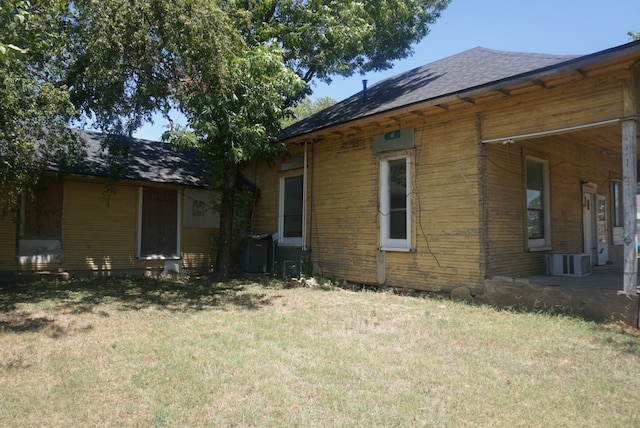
[466, 74]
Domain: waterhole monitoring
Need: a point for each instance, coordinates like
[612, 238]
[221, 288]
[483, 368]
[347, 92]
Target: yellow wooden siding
[342, 217]
[198, 248]
[7, 242]
[343, 220]
[99, 236]
[572, 160]
[467, 225]
[585, 101]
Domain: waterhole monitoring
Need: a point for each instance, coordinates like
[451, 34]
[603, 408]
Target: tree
[35, 108]
[306, 108]
[233, 68]
[635, 35]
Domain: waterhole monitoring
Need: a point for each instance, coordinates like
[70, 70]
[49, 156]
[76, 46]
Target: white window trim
[178, 230]
[617, 232]
[386, 243]
[282, 240]
[540, 244]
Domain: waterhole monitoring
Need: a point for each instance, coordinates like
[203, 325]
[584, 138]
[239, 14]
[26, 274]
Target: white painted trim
[540, 244]
[284, 241]
[512, 138]
[386, 243]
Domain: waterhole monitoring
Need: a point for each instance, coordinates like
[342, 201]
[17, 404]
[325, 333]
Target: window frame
[37, 248]
[617, 212]
[386, 242]
[176, 255]
[543, 243]
[282, 240]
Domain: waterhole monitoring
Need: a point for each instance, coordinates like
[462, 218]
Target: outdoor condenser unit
[568, 264]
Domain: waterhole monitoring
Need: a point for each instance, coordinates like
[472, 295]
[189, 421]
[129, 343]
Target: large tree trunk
[225, 239]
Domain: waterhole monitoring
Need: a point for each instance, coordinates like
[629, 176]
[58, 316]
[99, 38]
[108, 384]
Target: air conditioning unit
[568, 264]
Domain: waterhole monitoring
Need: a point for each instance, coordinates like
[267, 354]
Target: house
[157, 216]
[480, 170]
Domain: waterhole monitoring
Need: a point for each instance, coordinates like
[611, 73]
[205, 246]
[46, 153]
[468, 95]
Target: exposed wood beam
[540, 83]
[580, 72]
[629, 181]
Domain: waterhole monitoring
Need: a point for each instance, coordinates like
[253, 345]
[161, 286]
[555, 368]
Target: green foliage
[35, 107]
[323, 38]
[306, 108]
[635, 35]
[234, 69]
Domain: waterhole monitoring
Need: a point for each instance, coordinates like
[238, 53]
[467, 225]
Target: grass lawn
[175, 353]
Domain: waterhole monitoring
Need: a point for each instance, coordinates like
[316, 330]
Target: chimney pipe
[364, 88]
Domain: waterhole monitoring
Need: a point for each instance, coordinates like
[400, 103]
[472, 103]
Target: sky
[571, 27]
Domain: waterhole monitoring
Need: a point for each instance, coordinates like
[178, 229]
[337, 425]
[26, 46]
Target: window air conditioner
[568, 264]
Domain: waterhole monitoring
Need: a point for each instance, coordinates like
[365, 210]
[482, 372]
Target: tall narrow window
[158, 223]
[538, 221]
[291, 210]
[617, 220]
[395, 204]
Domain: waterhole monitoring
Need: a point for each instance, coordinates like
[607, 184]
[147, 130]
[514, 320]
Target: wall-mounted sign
[394, 140]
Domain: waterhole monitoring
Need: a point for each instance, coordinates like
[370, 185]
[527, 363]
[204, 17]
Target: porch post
[629, 159]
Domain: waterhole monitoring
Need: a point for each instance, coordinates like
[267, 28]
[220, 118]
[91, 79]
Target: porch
[597, 296]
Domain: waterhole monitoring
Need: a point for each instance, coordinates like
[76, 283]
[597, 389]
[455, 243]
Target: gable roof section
[144, 160]
[477, 69]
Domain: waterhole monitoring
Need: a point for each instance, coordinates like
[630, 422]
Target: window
[538, 219]
[395, 204]
[290, 222]
[158, 223]
[617, 220]
[41, 226]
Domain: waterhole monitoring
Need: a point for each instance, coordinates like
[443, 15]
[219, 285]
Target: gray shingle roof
[469, 69]
[144, 160]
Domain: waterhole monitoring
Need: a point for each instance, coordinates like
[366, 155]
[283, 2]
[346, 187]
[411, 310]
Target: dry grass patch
[179, 353]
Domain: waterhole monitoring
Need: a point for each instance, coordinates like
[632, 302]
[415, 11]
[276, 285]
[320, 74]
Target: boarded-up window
[159, 223]
[42, 218]
[41, 227]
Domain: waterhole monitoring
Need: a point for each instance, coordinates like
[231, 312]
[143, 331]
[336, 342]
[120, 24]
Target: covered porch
[597, 296]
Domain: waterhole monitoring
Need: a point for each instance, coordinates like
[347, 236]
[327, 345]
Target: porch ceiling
[605, 140]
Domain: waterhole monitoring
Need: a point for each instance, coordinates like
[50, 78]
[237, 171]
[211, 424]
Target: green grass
[179, 353]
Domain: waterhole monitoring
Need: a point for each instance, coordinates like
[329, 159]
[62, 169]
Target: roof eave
[533, 75]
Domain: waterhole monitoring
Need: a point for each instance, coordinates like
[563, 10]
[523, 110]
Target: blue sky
[543, 26]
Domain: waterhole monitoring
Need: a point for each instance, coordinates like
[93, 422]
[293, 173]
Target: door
[602, 244]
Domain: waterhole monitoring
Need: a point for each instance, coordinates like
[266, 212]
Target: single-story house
[483, 170]
[157, 216]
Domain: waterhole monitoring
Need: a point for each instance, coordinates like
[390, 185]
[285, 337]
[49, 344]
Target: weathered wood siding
[8, 238]
[574, 156]
[100, 235]
[572, 161]
[343, 199]
[580, 102]
[468, 197]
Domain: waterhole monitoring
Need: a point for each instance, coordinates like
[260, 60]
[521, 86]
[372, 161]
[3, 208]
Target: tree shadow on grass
[97, 296]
